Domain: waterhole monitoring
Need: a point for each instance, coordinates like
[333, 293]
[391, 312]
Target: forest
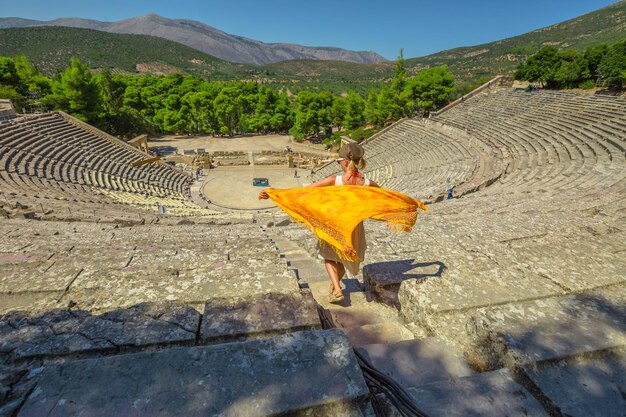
[601, 65]
[127, 105]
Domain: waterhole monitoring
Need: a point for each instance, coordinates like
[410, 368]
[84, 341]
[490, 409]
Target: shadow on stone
[384, 278]
[570, 352]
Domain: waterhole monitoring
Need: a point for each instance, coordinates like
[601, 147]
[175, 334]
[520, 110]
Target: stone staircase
[507, 359]
[424, 366]
[364, 320]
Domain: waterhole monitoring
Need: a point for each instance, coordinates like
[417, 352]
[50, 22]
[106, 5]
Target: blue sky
[420, 27]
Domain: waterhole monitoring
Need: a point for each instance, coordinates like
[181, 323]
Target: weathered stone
[550, 329]
[389, 332]
[384, 278]
[62, 332]
[459, 290]
[226, 318]
[483, 395]
[30, 301]
[301, 372]
[416, 362]
[105, 291]
[45, 276]
[585, 387]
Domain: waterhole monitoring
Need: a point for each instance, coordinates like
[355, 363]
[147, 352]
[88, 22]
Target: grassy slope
[606, 25]
[50, 49]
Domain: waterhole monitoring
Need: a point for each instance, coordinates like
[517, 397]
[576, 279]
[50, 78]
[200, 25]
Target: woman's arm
[323, 183]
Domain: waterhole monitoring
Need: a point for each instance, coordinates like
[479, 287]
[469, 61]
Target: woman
[351, 160]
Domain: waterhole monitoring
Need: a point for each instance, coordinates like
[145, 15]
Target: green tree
[594, 55]
[10, 86]
[612, 67]
[541, 67]
[371, 113]
[354, 112]
[429, 89]
[572, 70]
[226, 110]
[338, 112]
[399, 80]
[32, 80]
[312, 114]
[77, 92]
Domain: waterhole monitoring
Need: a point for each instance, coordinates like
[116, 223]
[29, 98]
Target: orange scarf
[332, 213]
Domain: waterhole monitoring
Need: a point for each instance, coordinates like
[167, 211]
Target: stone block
[584, 387]
[235, 317]
[490, 394]
[416, 362]
[62, 332]
[41, 276]
[384, 278]
[463, 289]
[375, 333]
[310, 373]
[551, 329]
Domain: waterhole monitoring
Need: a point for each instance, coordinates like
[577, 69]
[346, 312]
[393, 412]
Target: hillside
[50, 49]
[208, 39]
[606, 25]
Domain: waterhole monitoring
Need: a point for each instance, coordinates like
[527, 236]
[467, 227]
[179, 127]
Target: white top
[339, 180]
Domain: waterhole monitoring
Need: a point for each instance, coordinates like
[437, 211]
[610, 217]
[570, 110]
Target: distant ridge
[50, 48]
[207, 39]
[605, 25]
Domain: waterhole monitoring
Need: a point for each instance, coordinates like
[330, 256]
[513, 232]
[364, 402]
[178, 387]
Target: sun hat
[351, 151]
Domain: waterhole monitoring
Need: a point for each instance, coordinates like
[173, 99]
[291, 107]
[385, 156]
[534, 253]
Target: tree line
[604, 65]
[127, 105]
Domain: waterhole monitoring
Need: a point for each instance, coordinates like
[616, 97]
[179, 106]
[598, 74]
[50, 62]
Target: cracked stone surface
[309, 370]
[553, 328]
[102, 268]
[484, 395]
[62, 332]
[527, 270]
[226, 318]
[585, 387]
[413, 363]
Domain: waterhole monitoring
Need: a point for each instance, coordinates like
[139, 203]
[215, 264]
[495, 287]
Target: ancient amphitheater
[507, 300]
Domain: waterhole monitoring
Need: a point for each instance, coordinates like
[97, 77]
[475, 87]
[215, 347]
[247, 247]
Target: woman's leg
[341, 270]
[332, 268]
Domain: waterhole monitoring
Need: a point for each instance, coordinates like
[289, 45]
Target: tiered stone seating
[199, 313]
[526, 277]
[557, 141]
[420, 161]
[56, 157]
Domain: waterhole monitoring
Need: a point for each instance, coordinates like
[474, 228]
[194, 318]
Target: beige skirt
[358, 238]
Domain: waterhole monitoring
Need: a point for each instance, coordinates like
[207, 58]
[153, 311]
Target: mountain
[606, 25]
[207, 39]
[51, 48]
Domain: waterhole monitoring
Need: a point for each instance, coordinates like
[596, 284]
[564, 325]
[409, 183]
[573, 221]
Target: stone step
[490, 394]
[412, 363]
[63, 332]
[377, 333]
[309, 372]
[258, 315]
[384, 278]
[551, 329]
[583, 387]
[309, 270]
